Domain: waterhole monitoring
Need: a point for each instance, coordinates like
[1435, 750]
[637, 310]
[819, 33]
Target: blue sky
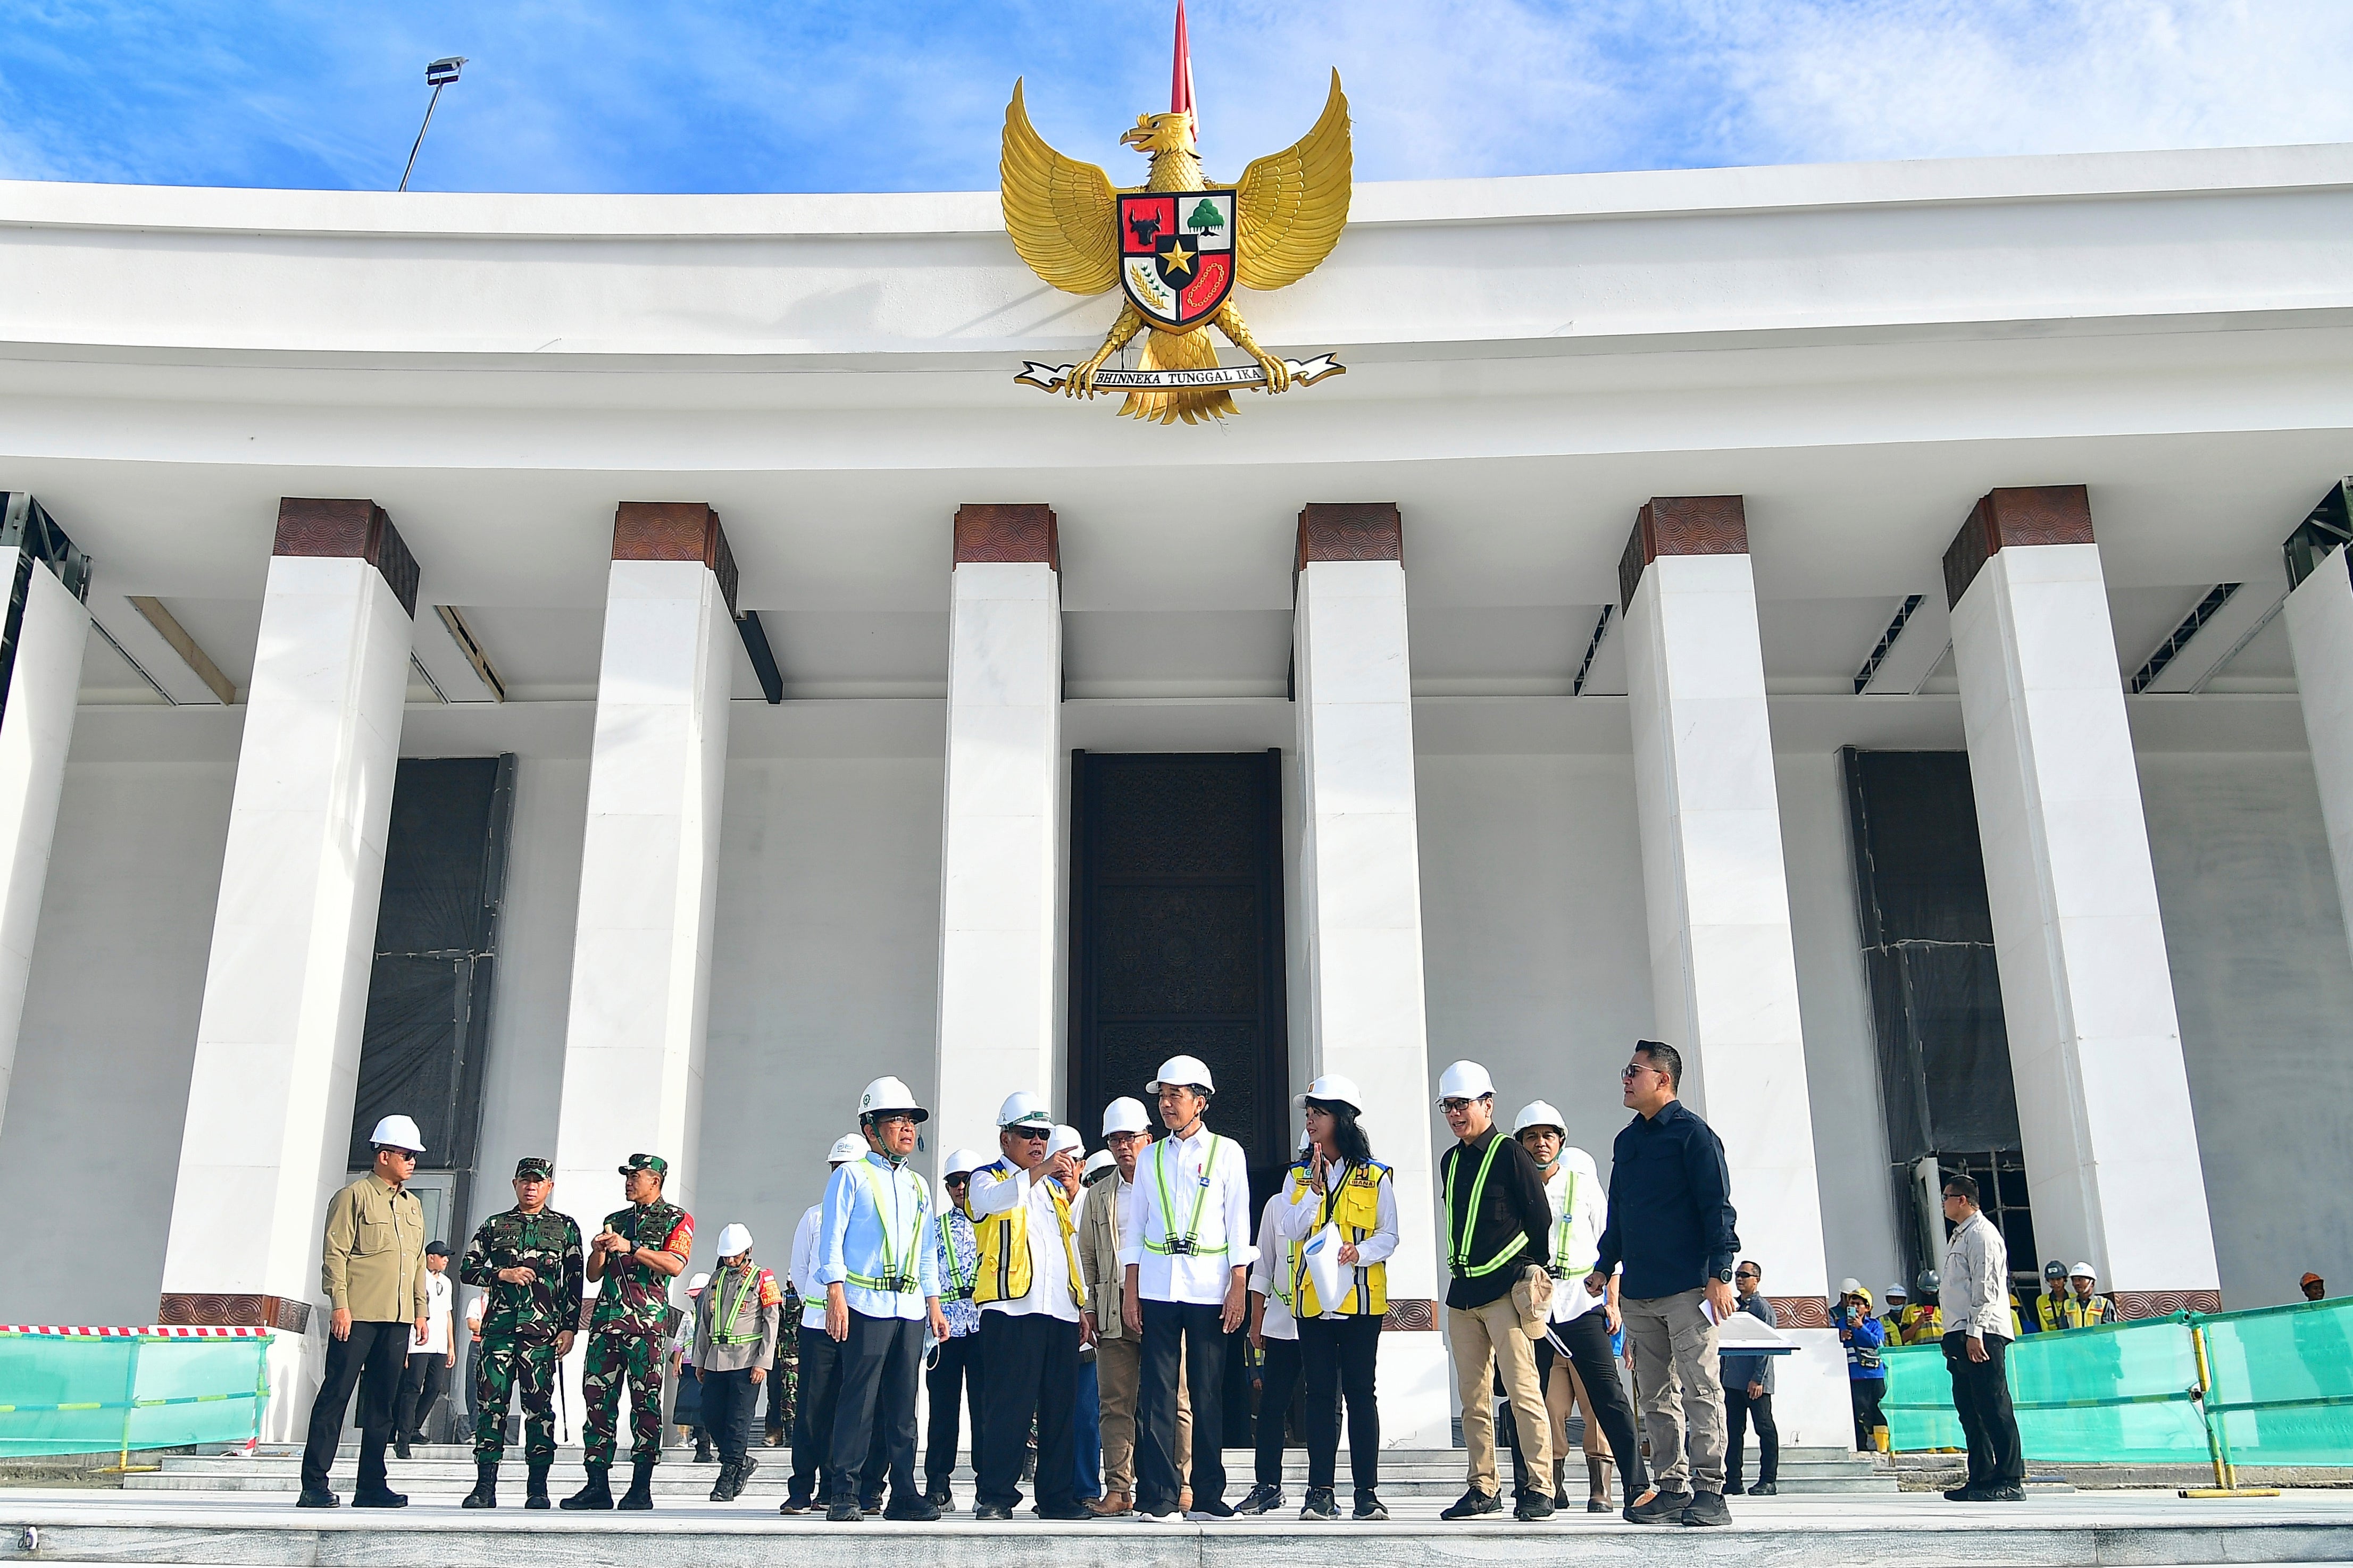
[654, 95]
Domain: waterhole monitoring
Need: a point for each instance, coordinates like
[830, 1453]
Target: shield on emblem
[1177, 254]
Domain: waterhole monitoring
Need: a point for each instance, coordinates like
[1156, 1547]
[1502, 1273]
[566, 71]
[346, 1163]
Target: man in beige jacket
[1119, 1354]
[372, 1266]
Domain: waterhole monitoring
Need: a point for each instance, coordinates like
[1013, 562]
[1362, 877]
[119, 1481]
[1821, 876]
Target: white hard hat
[1023, 1109]
[1851, 1288]
[847, 1147]
[2082, 1271]
[1332, 1089]
[891, 1094]
[398, 1133]
[1539, 1113]
[1064, 1137]
[963, 1162]
[1898, 1289]
[1098, 1162]
[734, 1240]
[1125, 1114]
[695, 1285]
[1177, 1071]
[1464, 1080]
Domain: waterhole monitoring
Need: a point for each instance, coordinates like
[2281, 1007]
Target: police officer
[1029, 1291]
[880, 1271]
[641, 1248]
[955, 1374]
[528, 1261]
[735, 1325]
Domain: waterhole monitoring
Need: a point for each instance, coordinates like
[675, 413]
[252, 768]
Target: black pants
[1981, 1399]
[728, 1399]
[954, 1375]
[1865, 1393]
[881, 1361]
[1031, 1368]
[814, 1408]
[1588, 1339]
[423, 1382]
[1197, 1334]
[1277, 1380]
[372, 1361]
[1739, 1410]
[1337, 1355]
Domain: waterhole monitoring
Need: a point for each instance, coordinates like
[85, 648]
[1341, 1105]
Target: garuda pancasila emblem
[1176, 247]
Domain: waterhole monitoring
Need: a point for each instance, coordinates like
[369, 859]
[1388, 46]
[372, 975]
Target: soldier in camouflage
[528, 1261]
[640, 1250]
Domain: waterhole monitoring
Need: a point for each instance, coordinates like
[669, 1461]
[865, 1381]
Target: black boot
[724, 1488]
[640, 1495]
[701, 1448]
[598, 1493]
[486, 1485]
[534, 1491]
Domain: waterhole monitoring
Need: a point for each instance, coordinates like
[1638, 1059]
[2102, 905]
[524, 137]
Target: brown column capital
[675, 531]
[2029, 514]
[1007, 532]
[1350, 531]
[356, 529]
[1680, 525]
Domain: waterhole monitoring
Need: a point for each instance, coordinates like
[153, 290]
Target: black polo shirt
[1512, 1203]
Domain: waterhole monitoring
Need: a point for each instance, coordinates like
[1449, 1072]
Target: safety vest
[1280, 1279]
[2078, 1314]
[2047, 1312]
[734, 1288]
[1458, 1247]
[1189, 1245]
[1355, 1207]
[1570, 1261]
[1004, 1241]
[955, 1270]
[1920, 1325]
[898, 1276]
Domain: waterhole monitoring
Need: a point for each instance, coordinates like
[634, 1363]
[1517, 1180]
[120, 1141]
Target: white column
[277, 1041]
[2112, 1161]
[2319, 613]
[1360, 898]
[36, 730]
[633, 1041]
[1001, 838]
[1724, 971]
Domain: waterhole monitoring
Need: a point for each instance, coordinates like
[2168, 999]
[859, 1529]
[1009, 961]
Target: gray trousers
[1683, 1398]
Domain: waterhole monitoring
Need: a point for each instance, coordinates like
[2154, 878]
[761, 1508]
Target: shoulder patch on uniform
[770, 1296]
[680, 1240]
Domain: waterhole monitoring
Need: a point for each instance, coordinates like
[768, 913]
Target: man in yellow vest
[1030, 1293]
[2085, 1307]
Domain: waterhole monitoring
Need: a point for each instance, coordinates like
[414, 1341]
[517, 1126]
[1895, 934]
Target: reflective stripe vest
[898, 1276]
[1280, 1277]
[1355, 1208]
[1921, 1323]
[1570, 1261]
[1004, 1238]
[1458, 1247]
[1189, 1245]
[735, 1290]
[2080, 1314]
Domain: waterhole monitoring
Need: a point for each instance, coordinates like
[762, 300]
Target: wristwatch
[1724, 1276]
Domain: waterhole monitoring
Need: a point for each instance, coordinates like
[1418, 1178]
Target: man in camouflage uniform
[785, 1377]
[528, 1261]
[640, 1250]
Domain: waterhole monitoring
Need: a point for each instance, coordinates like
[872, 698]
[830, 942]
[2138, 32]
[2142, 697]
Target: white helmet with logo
[847, 1147]
[398, 1133]
[1125, 1114]
[1178, 1071]
[1333, 1088]
[1023, 1109]
[1539, 1113]
[734, 1240]
[1464, 1080]
[888, 1094]
[2082, 1271]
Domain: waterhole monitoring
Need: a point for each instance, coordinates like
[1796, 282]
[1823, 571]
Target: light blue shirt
[852, 1230]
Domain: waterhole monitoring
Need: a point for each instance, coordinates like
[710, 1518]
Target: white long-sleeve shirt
[804, 1265]
[1305, 1215]
[1974, 1292]
[1204, 1174]
[1580, 1206]
[999, 1188]
[1270, 1272]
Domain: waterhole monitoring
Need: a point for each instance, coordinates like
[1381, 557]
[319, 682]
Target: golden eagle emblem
[1176, 247]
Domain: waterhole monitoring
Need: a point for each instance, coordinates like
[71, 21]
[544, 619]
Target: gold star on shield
[1178, 258]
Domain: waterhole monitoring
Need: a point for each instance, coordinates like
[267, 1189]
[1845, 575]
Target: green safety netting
[2278, 1389]
[67, 1394]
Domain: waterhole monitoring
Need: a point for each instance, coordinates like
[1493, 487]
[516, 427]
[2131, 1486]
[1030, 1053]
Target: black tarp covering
[423, 1046]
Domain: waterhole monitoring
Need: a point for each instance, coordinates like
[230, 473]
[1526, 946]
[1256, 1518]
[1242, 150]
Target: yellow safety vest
[1004, 1238]
[2087, 1314]
[1921, 1324]
[1355, 1208]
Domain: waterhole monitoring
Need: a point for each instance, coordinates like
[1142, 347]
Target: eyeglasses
[1633, 1070]
[1039, 1134]
[1457, 1103]
[1743, 1274]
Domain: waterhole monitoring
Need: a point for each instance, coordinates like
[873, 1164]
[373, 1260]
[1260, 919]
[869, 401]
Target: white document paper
[1322, 1251]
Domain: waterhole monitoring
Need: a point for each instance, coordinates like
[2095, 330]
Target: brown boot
[1113, 1504]
[1596, 1477]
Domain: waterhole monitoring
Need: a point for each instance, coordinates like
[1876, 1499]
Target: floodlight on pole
[438, 74]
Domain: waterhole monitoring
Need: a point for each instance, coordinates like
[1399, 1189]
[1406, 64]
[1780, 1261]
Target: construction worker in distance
[952, 1381]
[1897, 1298]
[2085, 1307]
[880, 1270]
[1185, 1241]
[1274, 1337]
[1866, 1377]
[1030, 1293]
[820, 1356]
[1923, 1322]
[734, 1344]
[2313, 1287]
[2050, 1307]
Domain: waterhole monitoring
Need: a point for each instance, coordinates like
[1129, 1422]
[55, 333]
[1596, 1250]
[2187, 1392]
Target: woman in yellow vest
[1349, 1195]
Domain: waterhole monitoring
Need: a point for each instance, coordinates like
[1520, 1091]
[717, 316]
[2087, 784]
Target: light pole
[440, 74]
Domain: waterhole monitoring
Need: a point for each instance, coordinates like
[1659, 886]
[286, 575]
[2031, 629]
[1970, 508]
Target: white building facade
[1831, 619]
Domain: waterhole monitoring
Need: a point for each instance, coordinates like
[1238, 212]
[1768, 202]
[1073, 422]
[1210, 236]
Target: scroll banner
[1303, 372]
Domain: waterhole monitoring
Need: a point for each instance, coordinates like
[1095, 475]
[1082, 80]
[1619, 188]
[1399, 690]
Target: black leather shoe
[1213, 1507]
[1473, 1503]
[844, 1513]
[911, 1510]
[1370, 1507]
[1734, 1489]
[596, 1494]
[1532, 1506]
[400, 1446]
[1966, 1494]
[383, 1497]
[941, 1497]
[991, 1510]
[317, 1500]
[1071, 1514]
[1320, 1504]
[1656, 1506]
[1764, 1488]
[2006, 1494]
[796, 1503]
[1707, 1509]
[1262, 1499]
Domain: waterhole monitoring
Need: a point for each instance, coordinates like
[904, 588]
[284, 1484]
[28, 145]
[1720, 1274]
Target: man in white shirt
[1975, 1295]
[430, 1356]
[820, 1358]
[1029, 1291]
[1185, 1242]
[1118, 1353]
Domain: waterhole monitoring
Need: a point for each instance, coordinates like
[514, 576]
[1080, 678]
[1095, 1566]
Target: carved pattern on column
[183, 1310]
[676, 531]
[1017, 533]
[1410, 1315]
[352, 529]
[1800, 1311]
[1350, 531]
[1680, 525]
[2033, 514]
[2133, 1304]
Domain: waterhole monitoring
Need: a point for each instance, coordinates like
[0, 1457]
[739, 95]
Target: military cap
[534, 1168]
[654, 1163]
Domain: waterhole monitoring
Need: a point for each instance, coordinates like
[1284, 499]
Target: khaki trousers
[1683, 1398]
[1485, 1341]
[1119, 1373]
[1564, 1392]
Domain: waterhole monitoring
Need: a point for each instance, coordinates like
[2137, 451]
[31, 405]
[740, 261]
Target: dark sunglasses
[1039, 1133]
